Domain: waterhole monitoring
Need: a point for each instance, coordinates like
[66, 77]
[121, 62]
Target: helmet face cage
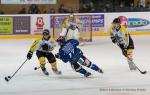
[117, 21]
[46, 32]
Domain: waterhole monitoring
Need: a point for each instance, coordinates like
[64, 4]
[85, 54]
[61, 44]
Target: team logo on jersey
[39, 23]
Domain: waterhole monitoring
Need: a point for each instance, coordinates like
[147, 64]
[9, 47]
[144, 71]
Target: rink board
[29, 26]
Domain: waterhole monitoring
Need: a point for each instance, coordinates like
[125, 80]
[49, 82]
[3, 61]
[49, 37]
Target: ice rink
[116, 80]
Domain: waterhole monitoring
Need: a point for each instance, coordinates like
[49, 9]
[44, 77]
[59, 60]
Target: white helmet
[71, 15]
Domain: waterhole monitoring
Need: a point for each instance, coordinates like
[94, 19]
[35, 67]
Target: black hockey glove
[51, 48]
[113, 39]
[57, 55]
[29, 55]
[124, 51]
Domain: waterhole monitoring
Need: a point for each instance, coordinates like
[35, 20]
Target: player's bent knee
[87, 63]
[76, 67]
[130, 53]
[42, 60]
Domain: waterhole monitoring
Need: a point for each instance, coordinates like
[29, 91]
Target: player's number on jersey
[71, 53]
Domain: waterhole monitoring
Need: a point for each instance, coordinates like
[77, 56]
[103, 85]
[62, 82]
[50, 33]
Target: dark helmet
[116, 20]
[46, 32]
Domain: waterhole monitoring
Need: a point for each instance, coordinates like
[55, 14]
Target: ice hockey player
[121, 37]
[70, 28]
[69, 52]
[43, 49]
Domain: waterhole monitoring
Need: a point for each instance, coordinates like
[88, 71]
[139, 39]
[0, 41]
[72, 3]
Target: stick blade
[6, 79]
[144, 72]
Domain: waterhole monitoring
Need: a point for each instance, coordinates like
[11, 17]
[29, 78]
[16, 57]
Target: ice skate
[131, 65]
[57, 72]
[44, 71]
[87, 74]
[100, 71]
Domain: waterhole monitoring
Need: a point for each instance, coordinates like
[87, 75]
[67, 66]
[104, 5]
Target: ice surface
[116, 80]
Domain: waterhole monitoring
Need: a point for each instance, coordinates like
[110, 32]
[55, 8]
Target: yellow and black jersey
[121, 33]
[67, 22]
[41, 45]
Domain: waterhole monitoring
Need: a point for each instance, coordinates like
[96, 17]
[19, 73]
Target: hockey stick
[142, 72]
[8, 78]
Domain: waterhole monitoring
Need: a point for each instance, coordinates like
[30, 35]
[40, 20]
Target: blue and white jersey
[69, 51]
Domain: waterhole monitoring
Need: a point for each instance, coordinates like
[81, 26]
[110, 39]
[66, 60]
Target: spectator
[83, 8]
[91, 7]
[121, 5]
[22, 11]
[62, 9]
[148, 5]
[142, 3]
[33, 9]
[128, 3]
[45, 12]
[1, 12]
[52, 11]
[107, 8]
[70, 10]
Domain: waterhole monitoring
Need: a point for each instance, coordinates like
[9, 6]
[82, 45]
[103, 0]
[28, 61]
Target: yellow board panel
[38, 36]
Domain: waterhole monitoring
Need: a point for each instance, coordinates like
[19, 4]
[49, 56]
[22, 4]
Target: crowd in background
[113, 6]
[92, 6]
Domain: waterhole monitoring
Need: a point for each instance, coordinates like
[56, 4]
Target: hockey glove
[113, 39]
[29, 55]
[51, 48]
[57, 55]
[124, 51]
[120, 41]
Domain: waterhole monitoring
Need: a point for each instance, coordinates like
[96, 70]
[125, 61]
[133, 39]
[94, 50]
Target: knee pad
[42, 60]
[130, 53]
[84, 61]
[87, 63]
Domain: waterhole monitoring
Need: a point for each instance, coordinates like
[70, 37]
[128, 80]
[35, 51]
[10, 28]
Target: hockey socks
[44, 71]
[95, 68]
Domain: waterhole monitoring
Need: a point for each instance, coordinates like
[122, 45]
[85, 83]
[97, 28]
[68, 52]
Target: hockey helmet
[71, 15]
[46, 32]
[116, 20]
